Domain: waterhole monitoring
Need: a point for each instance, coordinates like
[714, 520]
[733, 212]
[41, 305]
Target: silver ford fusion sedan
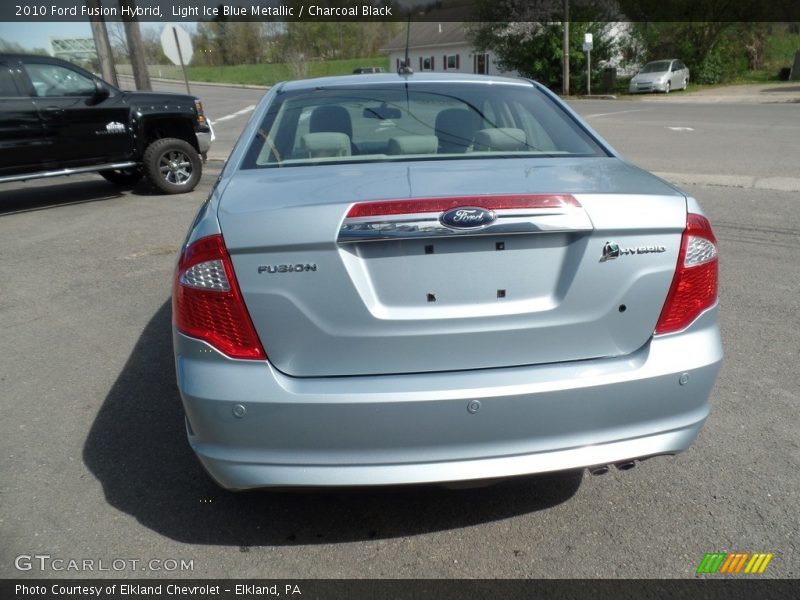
[429, 278]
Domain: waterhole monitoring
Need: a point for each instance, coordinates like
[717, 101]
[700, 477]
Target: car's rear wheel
[172, 165]
[667, 87]
[123, 177]
[686, 83]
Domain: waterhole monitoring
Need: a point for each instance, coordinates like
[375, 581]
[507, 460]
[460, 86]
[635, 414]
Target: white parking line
[238, 113]
[619, 112]
[681, 128]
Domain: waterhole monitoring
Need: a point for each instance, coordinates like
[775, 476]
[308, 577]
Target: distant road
[734, 145]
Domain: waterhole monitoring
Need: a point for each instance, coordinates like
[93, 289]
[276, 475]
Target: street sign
[177, 44]
[587, 47]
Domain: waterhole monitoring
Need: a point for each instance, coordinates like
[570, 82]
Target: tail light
[694, 287]
[207, 303]
[201, 115]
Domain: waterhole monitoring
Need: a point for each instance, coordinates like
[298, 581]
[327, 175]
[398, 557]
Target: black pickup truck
[59, 119]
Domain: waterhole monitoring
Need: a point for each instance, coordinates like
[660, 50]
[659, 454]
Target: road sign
[177, 44]
[587, 47]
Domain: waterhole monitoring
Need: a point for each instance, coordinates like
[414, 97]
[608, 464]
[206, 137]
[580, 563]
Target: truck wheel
[173, 166]
[123, 177]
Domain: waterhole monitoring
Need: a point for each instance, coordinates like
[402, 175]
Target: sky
[37, 35]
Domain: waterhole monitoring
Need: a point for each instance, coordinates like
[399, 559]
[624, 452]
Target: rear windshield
[419, 121]
[656, 67]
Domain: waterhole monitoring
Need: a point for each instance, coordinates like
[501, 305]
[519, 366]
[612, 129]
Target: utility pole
[101, 43]
[135, 46]
[565, 53]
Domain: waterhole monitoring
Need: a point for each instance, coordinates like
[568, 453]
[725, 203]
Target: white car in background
[660, 76]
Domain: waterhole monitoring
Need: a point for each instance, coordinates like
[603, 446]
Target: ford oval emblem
[468, 217]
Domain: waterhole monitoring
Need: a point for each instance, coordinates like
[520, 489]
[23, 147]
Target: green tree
[527, 37]
[224, 42]
[9, 46]
[714, 51]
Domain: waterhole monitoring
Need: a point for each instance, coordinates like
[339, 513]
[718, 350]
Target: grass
[269, 74]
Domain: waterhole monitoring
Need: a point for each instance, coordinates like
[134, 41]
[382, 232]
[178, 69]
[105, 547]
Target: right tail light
[694, 286]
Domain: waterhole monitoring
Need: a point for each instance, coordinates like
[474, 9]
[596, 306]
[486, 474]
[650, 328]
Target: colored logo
[732, 563]
[610, 251]
[468, 217]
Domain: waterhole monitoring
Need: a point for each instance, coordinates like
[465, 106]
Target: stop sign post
[177, 46]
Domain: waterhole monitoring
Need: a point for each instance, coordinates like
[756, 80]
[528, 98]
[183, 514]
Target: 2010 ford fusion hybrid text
[428, 278]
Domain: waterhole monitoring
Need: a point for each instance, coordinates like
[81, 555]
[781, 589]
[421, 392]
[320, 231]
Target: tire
[123, 177]
[172, 165]
[686, 83]
[667, 87]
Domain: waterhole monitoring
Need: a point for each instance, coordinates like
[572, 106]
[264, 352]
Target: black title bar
[398, 589]
[402, 10]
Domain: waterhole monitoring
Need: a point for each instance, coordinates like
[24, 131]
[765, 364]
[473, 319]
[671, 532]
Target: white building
[441, 48]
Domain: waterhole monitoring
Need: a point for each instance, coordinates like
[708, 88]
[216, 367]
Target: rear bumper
[424, 428]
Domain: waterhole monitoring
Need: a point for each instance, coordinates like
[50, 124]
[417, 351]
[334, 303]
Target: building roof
[429, 35]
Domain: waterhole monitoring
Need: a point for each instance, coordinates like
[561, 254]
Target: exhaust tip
[602, 470]
[626, 466]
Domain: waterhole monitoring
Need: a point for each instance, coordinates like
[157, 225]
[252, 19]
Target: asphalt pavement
[95, 465]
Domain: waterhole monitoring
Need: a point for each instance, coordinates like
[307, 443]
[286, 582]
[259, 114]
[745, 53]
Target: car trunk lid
[351, 270]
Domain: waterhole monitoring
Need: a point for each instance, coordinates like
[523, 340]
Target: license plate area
[464, 271]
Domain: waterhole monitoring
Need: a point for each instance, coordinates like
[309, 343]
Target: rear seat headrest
[500, 138]
[325, 144]
[413, 144]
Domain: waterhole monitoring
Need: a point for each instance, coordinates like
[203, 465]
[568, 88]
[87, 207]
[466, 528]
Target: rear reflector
[694, 286]
[428, 205]
[207, 303]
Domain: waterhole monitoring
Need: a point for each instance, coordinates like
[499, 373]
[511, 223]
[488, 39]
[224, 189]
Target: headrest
[413, 144]
[456, 128]
[501, 138]
[325, 144]
[331, 118]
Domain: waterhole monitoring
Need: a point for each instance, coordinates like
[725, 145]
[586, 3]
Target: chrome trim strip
[427, 225]
[60, 172]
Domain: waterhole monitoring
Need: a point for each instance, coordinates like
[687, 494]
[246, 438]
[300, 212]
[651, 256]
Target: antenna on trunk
[405, 68]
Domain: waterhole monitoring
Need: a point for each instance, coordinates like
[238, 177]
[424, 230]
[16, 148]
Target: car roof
[395, 78]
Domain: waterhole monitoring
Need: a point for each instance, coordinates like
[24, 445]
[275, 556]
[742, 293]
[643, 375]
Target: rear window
[656, 67]
[418, 121]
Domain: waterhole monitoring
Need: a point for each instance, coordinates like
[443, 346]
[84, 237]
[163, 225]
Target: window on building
[426, 63]
[451, 62]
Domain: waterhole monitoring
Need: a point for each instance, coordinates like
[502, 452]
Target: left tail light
[207, 303]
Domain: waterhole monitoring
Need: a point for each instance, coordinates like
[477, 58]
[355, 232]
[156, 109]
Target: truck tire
[123, 177]
[172, 165]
